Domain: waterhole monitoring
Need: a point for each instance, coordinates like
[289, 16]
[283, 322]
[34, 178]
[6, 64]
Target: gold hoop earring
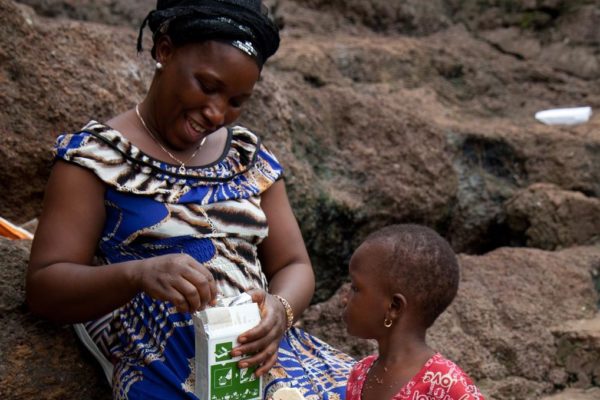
[387, 322]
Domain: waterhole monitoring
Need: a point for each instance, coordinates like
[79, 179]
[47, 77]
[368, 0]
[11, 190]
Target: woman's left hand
[262, 341]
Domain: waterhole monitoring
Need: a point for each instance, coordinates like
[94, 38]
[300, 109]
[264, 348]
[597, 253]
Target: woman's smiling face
[201, 87]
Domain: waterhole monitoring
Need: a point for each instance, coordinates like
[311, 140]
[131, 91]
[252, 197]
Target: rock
[436, 129]
[501, 313]
[381, 112]
[14, 255]
[512, 387]
[499, 329]
[59, 75]
[575, 394]
[514, 41]
[577, 60]
[579, 351]
[550, 218]
[580, 26]
[113, 12]
[412, 16]
[39, 359]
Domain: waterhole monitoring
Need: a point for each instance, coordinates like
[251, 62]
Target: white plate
[564, 116]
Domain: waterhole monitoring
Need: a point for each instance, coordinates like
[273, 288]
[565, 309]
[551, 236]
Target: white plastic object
[288, 394]
[564, 116]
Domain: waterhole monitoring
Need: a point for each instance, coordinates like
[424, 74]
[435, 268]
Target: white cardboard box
[217, 374]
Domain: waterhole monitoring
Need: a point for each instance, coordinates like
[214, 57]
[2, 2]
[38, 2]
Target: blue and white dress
[213, 214]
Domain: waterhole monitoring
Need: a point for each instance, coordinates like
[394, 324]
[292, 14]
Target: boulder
[579, 350]
[14, 255]
[39, 359]
[514, 41]
[575, 394]
[381, 113]
[580, 26]
[580, 61]
[412, 16]
[500, 328]
[56, 75]
[549, 218]
[112, 12]
[436, 130]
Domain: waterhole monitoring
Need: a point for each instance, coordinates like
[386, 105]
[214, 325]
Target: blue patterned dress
[213, 214]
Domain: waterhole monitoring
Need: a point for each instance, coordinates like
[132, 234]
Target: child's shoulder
[442, 374]
[362, 366]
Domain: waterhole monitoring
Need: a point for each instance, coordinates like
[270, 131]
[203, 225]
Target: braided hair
[245, 24]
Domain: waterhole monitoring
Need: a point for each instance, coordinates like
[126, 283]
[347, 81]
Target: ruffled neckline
[238, 155]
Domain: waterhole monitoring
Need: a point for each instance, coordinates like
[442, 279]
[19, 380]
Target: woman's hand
[177, 278]
[262, 341]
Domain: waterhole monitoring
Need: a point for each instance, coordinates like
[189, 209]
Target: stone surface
[514, 41]
[39, 359]
[55, 75]
[550, 218]
[579, 350]
[14, 255]
[381, 112]
[500, 328]
[576, 394]
[412, 16]
[113, 12]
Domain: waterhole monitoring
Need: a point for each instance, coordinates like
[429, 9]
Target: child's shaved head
[421, 265]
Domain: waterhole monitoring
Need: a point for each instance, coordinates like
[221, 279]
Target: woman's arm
[287, 266]
[283, 254]
[61, 283]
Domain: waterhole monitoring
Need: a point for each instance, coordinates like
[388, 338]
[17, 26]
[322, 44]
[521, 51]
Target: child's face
[367, 302]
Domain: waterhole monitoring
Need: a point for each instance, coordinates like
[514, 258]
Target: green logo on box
[223, 351]
[231, 383]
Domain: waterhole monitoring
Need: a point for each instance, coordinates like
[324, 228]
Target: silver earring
[159, 66]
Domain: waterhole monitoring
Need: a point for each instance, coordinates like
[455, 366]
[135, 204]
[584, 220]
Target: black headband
[244, 24]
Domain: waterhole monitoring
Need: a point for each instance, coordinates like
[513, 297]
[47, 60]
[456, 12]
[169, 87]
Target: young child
[402, 278]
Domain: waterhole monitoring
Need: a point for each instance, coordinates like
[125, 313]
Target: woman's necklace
[181, 169]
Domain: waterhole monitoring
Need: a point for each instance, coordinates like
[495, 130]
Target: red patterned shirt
[439, 379]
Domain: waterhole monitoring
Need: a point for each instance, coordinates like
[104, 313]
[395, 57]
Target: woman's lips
[195, 130]
[196, 126]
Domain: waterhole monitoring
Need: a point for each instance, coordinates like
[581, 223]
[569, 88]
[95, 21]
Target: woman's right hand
[179, 279]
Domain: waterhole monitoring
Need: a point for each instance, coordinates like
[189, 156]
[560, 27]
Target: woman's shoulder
[246, 140]
[104, 151]
[89, 141]
[250, 150]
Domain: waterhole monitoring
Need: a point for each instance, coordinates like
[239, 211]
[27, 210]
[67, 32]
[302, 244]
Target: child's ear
[398, 306]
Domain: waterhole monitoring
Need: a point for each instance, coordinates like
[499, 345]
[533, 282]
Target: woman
[154, 214]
